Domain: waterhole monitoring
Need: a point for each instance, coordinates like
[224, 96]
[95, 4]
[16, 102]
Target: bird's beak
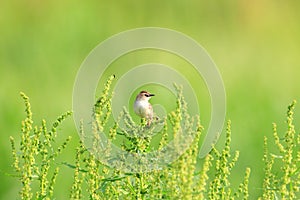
[151, 95]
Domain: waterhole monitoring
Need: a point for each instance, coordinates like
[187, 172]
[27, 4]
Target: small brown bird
[142, 107]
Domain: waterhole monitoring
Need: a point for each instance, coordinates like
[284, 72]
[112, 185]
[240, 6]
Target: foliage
[283, 182]
[36, 155]
[182, 179]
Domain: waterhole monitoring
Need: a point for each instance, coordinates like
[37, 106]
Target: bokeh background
[255, 44]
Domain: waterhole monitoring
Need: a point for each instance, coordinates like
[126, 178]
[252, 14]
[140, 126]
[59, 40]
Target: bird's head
[144, 96]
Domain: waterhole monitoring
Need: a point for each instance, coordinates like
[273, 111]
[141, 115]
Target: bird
[142, 106]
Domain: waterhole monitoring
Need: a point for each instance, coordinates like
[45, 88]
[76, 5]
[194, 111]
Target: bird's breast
[143, 109]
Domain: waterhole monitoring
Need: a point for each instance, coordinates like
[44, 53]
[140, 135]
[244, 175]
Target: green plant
[283, 181]
[36, 155]
[185, 178]
[179, 180]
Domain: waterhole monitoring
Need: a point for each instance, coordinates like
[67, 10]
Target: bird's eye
[147, 95]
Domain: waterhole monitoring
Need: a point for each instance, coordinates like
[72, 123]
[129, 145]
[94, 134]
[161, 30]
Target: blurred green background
[255, 45]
